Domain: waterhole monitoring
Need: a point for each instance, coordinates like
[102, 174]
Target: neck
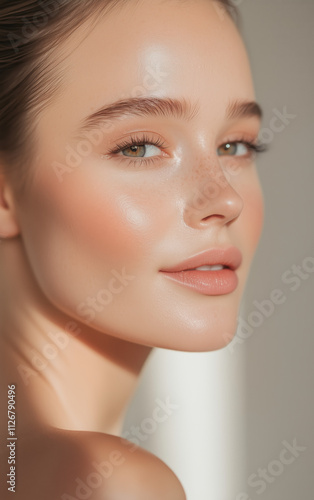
[67, 375]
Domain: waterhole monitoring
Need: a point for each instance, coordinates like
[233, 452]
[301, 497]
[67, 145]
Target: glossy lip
[219, 282]
[230, 257]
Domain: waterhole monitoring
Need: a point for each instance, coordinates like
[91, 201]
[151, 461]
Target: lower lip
[206, 282]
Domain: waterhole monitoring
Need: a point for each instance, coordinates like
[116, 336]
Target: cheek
[253, 214]
[78, 231]
[106, 225]
[117, 223]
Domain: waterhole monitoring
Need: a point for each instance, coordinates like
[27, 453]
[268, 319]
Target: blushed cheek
[111, 225]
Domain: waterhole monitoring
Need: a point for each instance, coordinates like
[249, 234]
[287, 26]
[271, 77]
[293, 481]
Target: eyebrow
[157, 106]
[244, 109]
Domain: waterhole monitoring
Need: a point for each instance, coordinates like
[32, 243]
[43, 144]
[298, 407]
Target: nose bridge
[211, 194]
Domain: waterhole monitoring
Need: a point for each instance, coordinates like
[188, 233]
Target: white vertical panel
[203, 440]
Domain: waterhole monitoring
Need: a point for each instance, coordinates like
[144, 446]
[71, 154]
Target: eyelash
[255, 148]
[138, 141]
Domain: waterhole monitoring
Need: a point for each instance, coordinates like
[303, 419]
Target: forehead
[154, 48]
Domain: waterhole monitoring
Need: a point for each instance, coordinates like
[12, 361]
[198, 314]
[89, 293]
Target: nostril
[219, 216]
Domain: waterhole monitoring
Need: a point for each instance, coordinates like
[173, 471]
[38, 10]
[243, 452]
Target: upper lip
[230, 257]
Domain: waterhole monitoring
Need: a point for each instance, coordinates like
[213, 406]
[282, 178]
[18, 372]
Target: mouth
[212, 272]
[208, 268]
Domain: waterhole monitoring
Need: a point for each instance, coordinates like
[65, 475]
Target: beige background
[236, 407]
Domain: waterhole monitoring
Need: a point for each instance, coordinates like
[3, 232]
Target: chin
[202, 336]
[209, 341]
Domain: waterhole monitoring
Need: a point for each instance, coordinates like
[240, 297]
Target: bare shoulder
[73, 465]
[124, 471]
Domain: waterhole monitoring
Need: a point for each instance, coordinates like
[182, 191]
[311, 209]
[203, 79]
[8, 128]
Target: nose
[212, 198]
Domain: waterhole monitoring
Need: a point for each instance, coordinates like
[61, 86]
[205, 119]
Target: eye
[235, 149]
[240, 148]
[140, 151]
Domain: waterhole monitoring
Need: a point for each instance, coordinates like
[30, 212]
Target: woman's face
[148, 184]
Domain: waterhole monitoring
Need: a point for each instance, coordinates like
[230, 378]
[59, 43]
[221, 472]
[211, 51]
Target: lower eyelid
[136, 162]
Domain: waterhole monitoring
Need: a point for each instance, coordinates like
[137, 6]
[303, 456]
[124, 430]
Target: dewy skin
[136, 228]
